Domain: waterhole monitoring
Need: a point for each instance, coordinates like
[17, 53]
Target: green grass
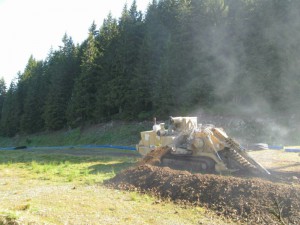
[64, 168]
[8, 217]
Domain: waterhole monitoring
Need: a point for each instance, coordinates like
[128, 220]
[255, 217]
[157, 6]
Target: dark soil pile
[253, 201]
[154, 157]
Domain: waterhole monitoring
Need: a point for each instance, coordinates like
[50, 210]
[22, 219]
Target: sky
[32, 27]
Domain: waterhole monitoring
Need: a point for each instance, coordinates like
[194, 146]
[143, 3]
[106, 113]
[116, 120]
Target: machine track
[236, 161]
[189, 163]
[242, 159]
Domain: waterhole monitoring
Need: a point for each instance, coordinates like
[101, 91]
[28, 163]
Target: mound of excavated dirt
[252, 201]
[154, 157]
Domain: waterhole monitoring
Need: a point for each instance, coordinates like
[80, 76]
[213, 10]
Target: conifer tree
[36, 87]
[10, 118]
[107, 42]
[82, 105]
[2, 94]
[62, 69]
[126, 58]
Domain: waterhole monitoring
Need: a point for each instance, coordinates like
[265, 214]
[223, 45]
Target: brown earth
[246, 200]
[154, 157]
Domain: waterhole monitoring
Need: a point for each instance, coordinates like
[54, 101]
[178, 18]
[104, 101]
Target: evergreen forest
[177, 57]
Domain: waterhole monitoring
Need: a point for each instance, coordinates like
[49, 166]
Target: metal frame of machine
[197, 147]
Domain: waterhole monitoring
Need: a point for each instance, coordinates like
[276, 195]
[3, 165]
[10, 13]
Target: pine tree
[2, 86]
[10, 118]
[2, 94]
[107, 42]
[36, 91]
[82, 105]
[62, 70]
[126, 57]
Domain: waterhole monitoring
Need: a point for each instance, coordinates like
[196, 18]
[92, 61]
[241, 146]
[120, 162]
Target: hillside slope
[113, 133]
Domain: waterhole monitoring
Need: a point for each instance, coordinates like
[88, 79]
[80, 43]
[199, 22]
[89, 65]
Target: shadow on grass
[85, 152]
[112, 167]
[56, 158]
[66, 167]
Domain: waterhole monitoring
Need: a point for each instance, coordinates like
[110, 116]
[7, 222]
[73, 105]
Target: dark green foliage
[107, 42]
[181, 55]
[61, 70]
[34, 97]
[82, 105]
[2, 94]
[10, 112]
[130, 35]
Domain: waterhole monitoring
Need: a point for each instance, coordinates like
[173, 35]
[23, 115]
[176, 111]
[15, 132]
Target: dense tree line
[177, 57]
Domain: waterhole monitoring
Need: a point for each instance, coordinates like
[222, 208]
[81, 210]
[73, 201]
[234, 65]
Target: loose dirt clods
[154, 157]
[251, 200]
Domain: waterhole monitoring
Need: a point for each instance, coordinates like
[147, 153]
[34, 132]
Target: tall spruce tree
[2, 94]
[82, 105]
[126, 58]
[62, 69]
[36, 90]
[107, 42]
[10, 118]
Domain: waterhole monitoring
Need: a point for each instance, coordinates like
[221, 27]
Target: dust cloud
[257, 80]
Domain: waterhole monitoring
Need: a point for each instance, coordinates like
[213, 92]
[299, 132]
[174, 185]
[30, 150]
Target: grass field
[63, 189]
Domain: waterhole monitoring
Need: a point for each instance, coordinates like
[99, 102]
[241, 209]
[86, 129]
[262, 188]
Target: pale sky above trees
[32, 27]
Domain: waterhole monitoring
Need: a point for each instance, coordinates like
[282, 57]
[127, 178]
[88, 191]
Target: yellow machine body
[194, 143]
